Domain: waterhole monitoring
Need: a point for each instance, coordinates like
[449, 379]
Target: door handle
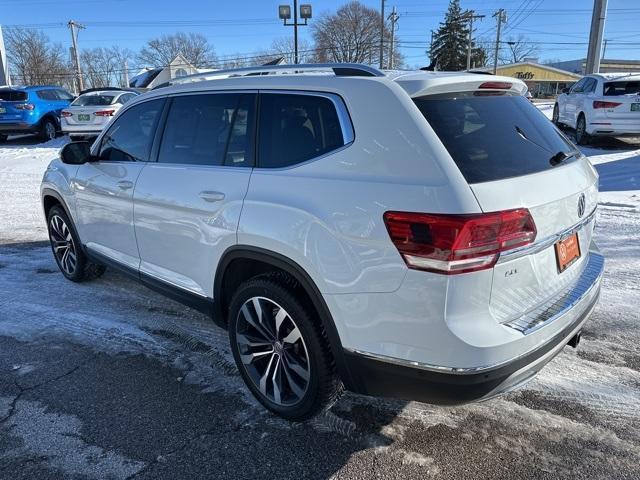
[125, 184]
[209, 196]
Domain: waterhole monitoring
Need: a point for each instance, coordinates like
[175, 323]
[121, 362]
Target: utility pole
[126, 73]
[604, 48]
[502, 17]
[74, 40]
[393, 18]
[595, 36]
[433, 34]
[471, 16]
[382, 33]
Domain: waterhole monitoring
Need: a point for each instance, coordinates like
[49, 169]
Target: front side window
[579, 87]
[209, 129]
[64, 95]
[295, 128]
[131, 135]
[590, 85]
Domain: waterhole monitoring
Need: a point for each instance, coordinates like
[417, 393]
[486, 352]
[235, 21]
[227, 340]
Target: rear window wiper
[562, 157]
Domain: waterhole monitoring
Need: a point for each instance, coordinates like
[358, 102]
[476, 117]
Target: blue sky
[560, 28]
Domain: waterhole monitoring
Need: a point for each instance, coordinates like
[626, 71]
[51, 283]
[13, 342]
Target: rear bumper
[372, 374]
[617, 128]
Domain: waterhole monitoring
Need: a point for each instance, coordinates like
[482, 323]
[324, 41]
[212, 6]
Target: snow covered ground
[579, 418]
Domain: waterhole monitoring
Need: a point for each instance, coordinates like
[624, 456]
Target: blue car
[32, 110]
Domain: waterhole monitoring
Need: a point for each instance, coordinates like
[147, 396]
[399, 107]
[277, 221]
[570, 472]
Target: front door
[104, 188]
[188, 204]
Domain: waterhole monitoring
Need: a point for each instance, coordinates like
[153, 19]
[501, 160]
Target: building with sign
[544, 81]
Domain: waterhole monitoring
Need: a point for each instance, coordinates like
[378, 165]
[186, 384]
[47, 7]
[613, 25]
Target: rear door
[188, 203]
[104, 188]
[513, 157]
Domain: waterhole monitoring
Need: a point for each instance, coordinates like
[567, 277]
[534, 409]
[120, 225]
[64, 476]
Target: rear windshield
[93, 100]
[621, 88]
[13, 96]
[494, 136]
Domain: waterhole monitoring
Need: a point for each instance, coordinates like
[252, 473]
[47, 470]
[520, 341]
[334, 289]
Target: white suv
[419, 235]
[606, 104]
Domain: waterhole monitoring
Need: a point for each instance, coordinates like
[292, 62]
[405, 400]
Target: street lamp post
[284, 12]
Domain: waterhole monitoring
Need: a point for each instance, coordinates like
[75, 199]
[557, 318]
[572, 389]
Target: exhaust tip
[575, 340]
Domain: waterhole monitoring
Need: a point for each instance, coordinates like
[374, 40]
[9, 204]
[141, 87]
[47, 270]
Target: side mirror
[76, 153]
[565, 90]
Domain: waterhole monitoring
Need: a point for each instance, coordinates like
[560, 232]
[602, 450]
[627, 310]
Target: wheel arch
[253, 261]
[50, 198]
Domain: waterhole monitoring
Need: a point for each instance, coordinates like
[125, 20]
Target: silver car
[90, 113]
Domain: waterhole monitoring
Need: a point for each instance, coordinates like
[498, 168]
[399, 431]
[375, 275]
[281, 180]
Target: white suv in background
[605, 104]
[419, 235]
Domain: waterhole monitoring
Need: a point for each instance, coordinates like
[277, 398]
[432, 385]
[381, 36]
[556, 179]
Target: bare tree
[34, 60]
[352, 34]
[518, 48]
[104, 67]
[195, 48]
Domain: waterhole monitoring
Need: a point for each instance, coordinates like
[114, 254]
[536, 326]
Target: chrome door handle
[209, 196]
[125, 184]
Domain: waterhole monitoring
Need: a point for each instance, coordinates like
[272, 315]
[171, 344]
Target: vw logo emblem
[581, 205]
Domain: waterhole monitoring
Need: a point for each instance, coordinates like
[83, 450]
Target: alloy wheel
[556, 114]
[50, 130]
[580, 129]
[63, 246]
[273, 351]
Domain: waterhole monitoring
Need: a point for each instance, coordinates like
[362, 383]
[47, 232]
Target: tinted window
[578, 87]
[64, 95]
[620, 88]
[13, 95]
[131, 135]
[493, 137]
[213, 129]
[47, 95]
[296, 128]
[589, 86]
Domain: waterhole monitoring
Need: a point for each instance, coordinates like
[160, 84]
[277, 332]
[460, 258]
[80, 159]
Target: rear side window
[209, 129]
[13, 95]
[131, 135]
[296, 128]
[47, 95]
[64, 95]
[622, 88]
[493, 137]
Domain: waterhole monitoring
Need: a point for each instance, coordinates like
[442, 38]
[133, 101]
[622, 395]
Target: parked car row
[48, 110]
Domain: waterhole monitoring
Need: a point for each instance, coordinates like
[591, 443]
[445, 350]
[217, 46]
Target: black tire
[582, 137]
[47, 130]
[555, 117]
[77, 268]
[323, 386]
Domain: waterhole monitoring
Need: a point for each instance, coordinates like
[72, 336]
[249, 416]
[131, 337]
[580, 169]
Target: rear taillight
[599, 104]
[451, 244]
[105, 113]
[496, 85]
[25, 106]
[64, 114]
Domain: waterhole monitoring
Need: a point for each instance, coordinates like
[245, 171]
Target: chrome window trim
[589, 294]
[546, 242]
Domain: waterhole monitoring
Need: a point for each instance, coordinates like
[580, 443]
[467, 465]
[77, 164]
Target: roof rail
[338, 69]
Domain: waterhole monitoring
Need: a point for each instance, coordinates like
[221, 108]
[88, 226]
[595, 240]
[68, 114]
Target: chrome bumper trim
[591, 292]
[546, 242]
[583, 288]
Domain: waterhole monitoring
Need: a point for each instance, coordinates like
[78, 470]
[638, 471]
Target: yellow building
[542, 80]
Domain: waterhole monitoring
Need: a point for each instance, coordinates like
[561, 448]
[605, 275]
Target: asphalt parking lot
[108, 380]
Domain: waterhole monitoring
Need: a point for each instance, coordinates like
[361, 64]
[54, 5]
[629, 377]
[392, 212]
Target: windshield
[491, 137]
[93, 100]
[13, 96]
[611, 89]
